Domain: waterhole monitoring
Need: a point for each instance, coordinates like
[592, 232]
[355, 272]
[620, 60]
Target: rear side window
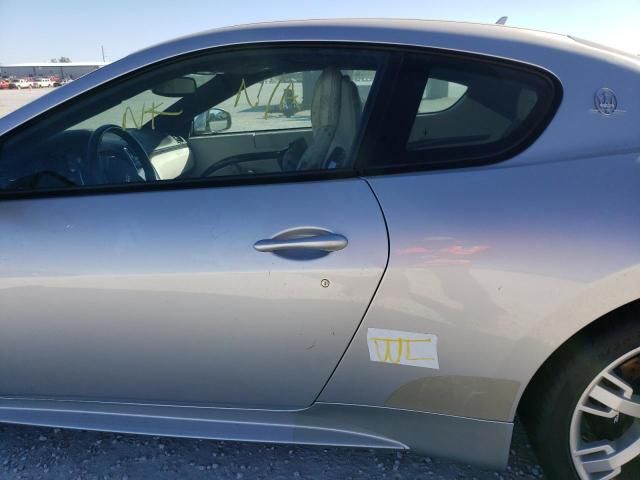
[460, 110]
[440, 95]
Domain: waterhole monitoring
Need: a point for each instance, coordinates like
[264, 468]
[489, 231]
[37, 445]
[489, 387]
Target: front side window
[242, 113]
[137, 110]
[282, 102]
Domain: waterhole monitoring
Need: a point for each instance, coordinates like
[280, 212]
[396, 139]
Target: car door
[242, 291]
[463, 209]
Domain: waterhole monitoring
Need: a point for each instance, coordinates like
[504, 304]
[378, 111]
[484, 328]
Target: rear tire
[553, 410]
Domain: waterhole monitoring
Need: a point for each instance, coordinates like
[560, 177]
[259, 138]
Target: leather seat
[335, 118]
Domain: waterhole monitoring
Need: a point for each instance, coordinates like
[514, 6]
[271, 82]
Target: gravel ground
[46, 453]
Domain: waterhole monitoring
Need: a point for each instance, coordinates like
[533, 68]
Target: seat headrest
[325, 105]
[348, 124]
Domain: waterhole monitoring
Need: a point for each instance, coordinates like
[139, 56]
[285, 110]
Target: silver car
[387, 234]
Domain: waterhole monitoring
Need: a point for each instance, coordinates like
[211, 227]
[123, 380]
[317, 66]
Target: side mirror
[176, 87]
[214, 120]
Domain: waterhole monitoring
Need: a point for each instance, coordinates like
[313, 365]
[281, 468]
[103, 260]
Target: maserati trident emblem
[605, 101]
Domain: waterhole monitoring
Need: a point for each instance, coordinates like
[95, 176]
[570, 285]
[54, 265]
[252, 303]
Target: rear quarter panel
[503, 265]
[505, 262]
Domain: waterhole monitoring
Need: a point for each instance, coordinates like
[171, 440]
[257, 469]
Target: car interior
[260, 112]
[110, 139]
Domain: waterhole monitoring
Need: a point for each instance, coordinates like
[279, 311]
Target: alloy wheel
[605, 427]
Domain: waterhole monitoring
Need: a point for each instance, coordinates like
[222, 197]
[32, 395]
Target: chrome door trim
[304, 238]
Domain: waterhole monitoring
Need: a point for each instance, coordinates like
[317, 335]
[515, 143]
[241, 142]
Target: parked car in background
[4, 84]
[21, 83]
[59, 82]
[43, 82]
[443, 233]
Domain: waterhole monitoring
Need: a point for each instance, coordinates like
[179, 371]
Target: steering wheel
[232, 161]
[139, 159]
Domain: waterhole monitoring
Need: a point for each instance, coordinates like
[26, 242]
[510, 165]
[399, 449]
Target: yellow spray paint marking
[404, 348]
[153, 111]
[400, 342]
[293, 99]
[266, 110]
[388, 349]
[243, 88]
[133, 118]
[409, 356]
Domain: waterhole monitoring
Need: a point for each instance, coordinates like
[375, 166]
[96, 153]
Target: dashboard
[61, 161]
[169, 154]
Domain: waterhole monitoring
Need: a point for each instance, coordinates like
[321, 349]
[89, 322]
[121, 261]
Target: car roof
[546, 50]
[417, 32]
[398, 25]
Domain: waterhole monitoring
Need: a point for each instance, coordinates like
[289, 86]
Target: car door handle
[327, 242]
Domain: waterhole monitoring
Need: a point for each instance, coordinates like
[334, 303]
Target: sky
[38, 30]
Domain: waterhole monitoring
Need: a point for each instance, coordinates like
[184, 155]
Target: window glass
[281, 102]
[136, 111]
[241, 113]
[471, 108]
[440, 95]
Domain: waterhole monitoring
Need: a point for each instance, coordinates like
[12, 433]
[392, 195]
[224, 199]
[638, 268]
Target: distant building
[47, 69]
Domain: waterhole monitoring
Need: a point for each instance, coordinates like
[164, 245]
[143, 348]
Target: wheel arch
[617, 316]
